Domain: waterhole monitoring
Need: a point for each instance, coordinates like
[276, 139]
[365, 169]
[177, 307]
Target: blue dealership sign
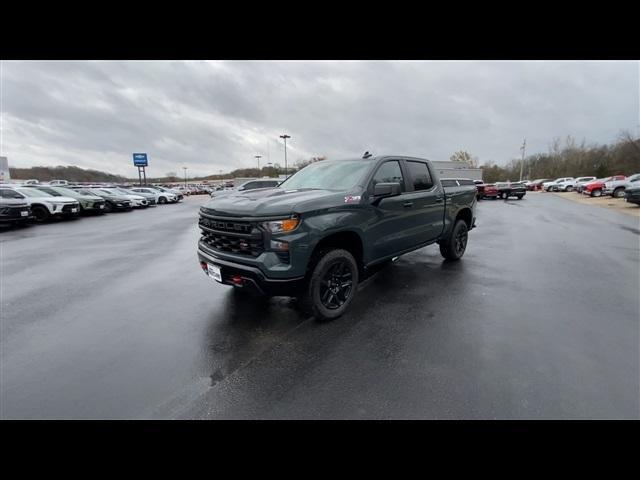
[140, 160]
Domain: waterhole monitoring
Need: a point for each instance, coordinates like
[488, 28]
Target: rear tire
[569, 189]
[331, 286]
[618, 193]
[520, 197]
[455, 245]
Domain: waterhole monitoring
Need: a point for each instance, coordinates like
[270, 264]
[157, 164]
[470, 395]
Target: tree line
[565, 158]
[569, 159]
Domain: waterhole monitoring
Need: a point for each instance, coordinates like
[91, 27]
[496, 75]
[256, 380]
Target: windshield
[32, 192]
[64, 191]
[334, 175]
[87, 191]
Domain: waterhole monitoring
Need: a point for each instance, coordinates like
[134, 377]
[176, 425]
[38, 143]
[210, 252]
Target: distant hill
[72, 174]
[77, 174]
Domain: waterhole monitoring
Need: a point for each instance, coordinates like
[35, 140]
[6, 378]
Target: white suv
[564, 184]
[581, 182]
[45, 206]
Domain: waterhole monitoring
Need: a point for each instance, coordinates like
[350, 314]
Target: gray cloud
[212, 116]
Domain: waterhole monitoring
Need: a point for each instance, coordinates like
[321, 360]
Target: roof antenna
[366, 155]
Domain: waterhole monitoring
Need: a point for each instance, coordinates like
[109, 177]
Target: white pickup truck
[615, 187]
[562, 184]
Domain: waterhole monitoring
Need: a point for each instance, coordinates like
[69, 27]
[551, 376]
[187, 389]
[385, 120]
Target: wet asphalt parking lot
[112, 317]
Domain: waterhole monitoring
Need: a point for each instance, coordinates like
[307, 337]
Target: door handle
[407, 204]
[439, 199]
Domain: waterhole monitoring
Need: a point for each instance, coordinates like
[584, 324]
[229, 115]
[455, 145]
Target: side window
[389, 172]
[249, 186]
[6, 193]
[466, 182]
[448, 183]
[420, 174]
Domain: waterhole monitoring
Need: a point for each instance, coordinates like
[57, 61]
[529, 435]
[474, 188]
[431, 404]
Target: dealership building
[449, 169]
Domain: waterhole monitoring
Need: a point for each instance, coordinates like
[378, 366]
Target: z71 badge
[351, 198]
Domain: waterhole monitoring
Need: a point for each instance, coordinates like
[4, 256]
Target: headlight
[281, 226]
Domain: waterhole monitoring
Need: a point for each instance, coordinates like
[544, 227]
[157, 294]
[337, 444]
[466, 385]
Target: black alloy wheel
[41, 213]
[460, 241]
[336, 285]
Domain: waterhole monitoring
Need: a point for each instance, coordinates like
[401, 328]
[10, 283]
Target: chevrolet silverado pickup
[511, 189]
[328, 226]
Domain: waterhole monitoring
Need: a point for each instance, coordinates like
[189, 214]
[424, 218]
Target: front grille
[97, 204]
[68, 208]
[234, 237]
[13, 212]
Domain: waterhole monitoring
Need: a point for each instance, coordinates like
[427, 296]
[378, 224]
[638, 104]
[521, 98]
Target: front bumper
[245, 276]
[15, 215]
[632, 197]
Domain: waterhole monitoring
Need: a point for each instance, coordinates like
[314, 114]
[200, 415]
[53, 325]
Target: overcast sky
[212, 116]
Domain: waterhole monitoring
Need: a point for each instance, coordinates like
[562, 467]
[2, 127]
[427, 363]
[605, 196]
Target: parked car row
[614, 186]
[194, 189]
[33, 202]
[617, 186]
[246, 186]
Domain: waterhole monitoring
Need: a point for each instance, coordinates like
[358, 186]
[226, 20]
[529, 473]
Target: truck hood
[266, 202]
[52, 199]
[13, 202]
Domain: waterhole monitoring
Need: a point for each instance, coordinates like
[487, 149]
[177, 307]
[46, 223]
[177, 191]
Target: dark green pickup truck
[326, 227]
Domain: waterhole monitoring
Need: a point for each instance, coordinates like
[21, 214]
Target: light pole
[185, 176]
[524, 144]
[285, 136]
[258, 157]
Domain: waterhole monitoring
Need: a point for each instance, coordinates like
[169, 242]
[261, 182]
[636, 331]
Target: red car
[594, 189]
[490, 191]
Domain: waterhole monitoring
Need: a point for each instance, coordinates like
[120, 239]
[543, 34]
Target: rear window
[466, 182]
[420, 175]
[449, 183]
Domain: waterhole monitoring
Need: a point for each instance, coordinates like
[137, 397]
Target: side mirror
[385, 190]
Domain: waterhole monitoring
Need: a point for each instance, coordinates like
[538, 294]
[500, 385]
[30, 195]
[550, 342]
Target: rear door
[427, 198]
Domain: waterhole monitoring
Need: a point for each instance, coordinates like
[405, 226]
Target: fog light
[204, 267]
[281, 246]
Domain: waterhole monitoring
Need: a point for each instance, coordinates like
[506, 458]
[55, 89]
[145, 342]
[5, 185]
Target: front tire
[332, 285]
[618, 193]
[41, 213]
[162, 200]
[596, 193]
[454, 246]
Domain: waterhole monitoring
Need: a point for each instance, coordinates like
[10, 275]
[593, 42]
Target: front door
[391, 229]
